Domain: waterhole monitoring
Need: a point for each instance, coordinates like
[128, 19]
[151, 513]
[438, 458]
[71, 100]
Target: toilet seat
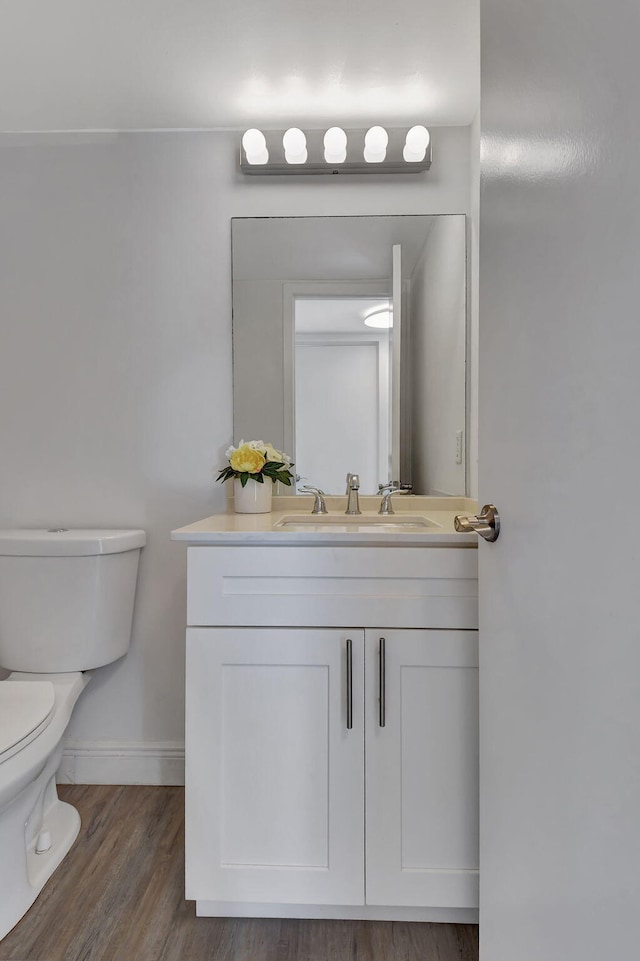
[26, 708]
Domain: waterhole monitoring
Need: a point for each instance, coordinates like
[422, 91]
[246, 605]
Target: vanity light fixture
[335, 150]
[380, 317]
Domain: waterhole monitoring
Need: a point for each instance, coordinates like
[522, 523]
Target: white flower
[273, 454]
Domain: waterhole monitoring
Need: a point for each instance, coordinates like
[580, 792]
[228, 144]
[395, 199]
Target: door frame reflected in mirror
[316, 469]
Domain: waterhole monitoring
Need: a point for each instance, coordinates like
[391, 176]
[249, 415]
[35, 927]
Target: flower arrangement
[256, 460]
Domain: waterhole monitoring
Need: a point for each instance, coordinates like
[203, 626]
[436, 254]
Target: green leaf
[274, 470]
[225, 474]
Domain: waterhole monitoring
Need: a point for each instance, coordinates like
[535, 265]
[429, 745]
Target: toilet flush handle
[43, 844]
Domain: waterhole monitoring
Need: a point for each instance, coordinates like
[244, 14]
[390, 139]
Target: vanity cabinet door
[274, 774]
[422, 769]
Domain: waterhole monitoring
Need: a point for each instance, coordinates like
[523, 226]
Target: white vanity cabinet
[331, 763]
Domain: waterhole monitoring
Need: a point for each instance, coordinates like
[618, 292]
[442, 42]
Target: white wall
[259, 398]
[115, 360]
[438, 342]
[473, 281]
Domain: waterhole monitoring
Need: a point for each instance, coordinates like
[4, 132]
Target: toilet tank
[66, 597]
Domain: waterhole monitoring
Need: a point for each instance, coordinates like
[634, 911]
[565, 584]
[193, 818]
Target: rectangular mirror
[349, 346]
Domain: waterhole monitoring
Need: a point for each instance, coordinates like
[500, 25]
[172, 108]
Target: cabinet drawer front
[336, 587]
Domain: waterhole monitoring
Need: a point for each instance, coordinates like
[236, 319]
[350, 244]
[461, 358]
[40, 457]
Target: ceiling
[208, 64]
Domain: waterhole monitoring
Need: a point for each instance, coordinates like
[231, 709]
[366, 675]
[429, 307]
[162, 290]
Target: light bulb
[255, 146]
[417, 139]
[294, 141]
[335, 140]
[374, 156]
[413, 156]
[335, 145]
[376, 139]
[253, 141]
[297, 158]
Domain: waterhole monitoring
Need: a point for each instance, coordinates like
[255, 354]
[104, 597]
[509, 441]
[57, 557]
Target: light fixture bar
[316, 158]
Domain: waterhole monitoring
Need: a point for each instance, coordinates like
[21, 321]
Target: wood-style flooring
[119, 896]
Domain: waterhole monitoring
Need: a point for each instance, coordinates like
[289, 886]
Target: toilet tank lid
[59, 542]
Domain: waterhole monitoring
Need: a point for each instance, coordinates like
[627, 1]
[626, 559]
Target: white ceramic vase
[253, 498]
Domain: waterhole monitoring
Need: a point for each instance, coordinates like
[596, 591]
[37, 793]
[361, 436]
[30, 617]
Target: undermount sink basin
[354, 523]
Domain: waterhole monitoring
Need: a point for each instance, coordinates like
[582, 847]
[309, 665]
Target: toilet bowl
[66, 608]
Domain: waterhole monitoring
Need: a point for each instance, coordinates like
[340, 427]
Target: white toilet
[66, 607]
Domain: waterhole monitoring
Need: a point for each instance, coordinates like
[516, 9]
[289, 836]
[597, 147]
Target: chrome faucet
[319, 505]
[386, 507]
[353, 486]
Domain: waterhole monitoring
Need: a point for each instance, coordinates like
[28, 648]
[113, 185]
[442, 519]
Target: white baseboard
[339, 912]
[122, 762]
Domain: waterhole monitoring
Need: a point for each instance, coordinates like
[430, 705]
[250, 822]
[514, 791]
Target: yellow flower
[246, 460]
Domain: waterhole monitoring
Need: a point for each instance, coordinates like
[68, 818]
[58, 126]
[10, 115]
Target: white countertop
[303, 529]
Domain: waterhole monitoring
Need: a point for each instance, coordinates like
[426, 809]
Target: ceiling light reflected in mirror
[379, 317]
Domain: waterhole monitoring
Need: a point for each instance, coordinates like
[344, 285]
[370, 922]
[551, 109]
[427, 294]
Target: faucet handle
[396, 486]
[386, 507]
[319, 505]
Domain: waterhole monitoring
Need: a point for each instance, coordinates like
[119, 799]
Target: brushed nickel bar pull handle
[382, 680]
[349, 684]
